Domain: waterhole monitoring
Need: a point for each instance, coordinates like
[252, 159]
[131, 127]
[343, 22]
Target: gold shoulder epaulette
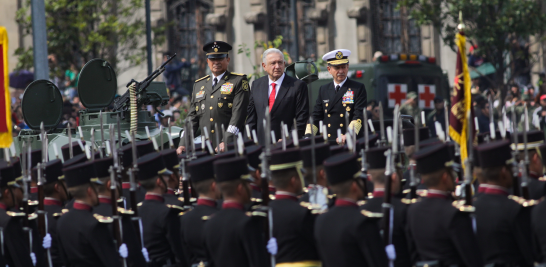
[272, 197]
[202, 78]
[361, 202]
[461, 206]
[121, 199]
[238, 74]
[408, 201]
[370, 214]
[331, 196]
[124, 211]
[33, 202]
[542, 179]
[193, 199]
[65, 211]
[318, 211]
[255, 199]
[32, 216]
[524, 202]
[422, 192]
[181, 213]
[256, 214]
[103, 219]
[305, 204]
[175, 207]
[15, 214]
[206, 218]
[139, 204]
[58, 214]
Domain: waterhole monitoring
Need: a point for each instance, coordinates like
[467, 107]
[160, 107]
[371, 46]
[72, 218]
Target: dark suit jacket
[292, 102]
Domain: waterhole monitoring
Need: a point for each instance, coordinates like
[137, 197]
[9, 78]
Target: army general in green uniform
[220, 98]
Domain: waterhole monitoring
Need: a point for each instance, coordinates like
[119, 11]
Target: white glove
[123, 251]
[145, 254]
[33, 258]
[46, 243]
[272, 246]
[391, 252]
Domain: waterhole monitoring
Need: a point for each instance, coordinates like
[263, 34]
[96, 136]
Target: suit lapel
[339, 94]
[282, 92]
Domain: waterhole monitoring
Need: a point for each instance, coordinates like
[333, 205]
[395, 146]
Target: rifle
[42, 220]
[313, 166]
[468, 163]
[185, 175]
[525, 162]
[101, 149]
[26, 170]
[491, 120]
[389, 171]
[122, 103]
[266, 176]
[413, 166]
[70, 149]
[117, 222]
[515, 167]
[364, 162]
[383, 141]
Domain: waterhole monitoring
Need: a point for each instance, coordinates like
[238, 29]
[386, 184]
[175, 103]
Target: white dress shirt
[217, 78]
[277, 86]
[341, 84]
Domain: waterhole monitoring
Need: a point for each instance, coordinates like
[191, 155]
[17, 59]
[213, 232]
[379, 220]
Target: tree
[257, 68]
[495, 26]
[80, 30]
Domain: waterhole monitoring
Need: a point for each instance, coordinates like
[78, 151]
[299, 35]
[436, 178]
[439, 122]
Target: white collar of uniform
[278, 82]
[219, 77]
[341, 84]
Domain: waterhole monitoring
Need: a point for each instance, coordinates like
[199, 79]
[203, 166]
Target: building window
[282, 24]
[396, 32]
[189, 33]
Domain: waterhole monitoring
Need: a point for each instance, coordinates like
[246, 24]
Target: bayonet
[515, 167]
[446, 120]
[224, 137]
[273, 137]
[266, 176]
[171, 145]
[370, 123]
[255, 136]
[70, 149]
[152, 139]
[525, 162]
[217, 136]
[161, 136]
[102, 141]
[283, 137]
[382, 124]
[468, 161]
[248, 133]
[81, 133]
[491, 120]
[118, 121]
[92, 147]
[240, 145]
[313, 166]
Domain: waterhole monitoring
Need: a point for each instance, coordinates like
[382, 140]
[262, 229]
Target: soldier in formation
[301, 202]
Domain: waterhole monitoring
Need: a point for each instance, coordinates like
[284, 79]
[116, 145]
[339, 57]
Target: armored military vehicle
[43, 103]
[391, 77]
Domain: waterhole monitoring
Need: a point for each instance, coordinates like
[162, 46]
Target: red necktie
[272, 96]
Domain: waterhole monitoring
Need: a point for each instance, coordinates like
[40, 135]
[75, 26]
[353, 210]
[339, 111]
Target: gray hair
[269, 51]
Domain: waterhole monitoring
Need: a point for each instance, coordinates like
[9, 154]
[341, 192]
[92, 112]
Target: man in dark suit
[337, 98]
[285, 98]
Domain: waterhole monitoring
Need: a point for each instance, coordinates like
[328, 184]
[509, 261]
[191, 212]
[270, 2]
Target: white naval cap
[337, 57]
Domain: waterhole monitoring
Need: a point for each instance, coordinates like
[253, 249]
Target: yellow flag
[5, 99]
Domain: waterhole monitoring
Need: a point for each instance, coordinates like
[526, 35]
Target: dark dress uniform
[233, 238]
[54, 209]
[539, 227]
[126, 195]
[537, 187]
[332, 103]
[331, 107]
[224, 103]
[441, 233]
[172, 199]
[503, 229]
[399, 233]
[293, 227]
[84, 238]
[192, 224]
[344, 235]
[15, 248]
[130, 236]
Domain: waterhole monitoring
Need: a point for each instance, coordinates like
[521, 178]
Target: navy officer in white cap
[337, 99]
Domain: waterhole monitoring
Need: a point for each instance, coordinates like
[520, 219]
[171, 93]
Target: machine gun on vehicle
[142, 96]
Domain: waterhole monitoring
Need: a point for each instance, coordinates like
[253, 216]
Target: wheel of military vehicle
[42, 102]
[97, 84]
